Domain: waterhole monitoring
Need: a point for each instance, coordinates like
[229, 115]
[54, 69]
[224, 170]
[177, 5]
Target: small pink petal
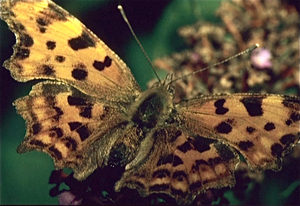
[195, 57]
[68, 198]
[260, 58]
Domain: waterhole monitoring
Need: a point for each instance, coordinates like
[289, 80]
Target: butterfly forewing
[52, 44]
[260, 126]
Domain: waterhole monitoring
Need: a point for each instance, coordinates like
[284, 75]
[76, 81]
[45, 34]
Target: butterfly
[90, 113]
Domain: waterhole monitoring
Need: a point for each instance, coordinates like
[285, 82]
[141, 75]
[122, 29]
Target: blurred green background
[24, 178]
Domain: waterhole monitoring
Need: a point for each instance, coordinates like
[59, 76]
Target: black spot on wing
[220, 109]
[107, 61]
[277, 150]
[74, 125]
[81, 129]
[253, 105]
[79, 71]
[42, 22]
[18, 26]
[79, 74]
[295, 117]
[170, 159]
[230, 121]
[22, 53]
[42, 29]
[86, 111]
[185, 147]
[162, 173]
[60, 59]
[178, 192]
[70, 143]
[55, 152]
[83, 132]
[37, 143]
[288, 122]
[200, 162]
[26, 40]
[269, 126]
[245, 145]
[46, 69]
[36, 128]
[51, 45]
[58, 114]
[201, 147]
[56, 132]
[223, 128]
[81, 42]
[177, 161]
[288, 139]
[179, 176]
[250, 130]
[201, 144]
[101, 65]
[76, 101]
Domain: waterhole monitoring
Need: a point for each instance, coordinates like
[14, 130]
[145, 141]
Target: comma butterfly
[90, 113]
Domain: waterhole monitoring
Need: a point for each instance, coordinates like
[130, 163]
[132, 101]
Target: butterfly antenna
[137, 40]
[216, 64]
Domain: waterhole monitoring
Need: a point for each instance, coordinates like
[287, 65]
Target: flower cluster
[273, 68]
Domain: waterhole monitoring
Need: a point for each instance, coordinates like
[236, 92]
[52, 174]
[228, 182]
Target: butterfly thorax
[152, 107]
[151, 110]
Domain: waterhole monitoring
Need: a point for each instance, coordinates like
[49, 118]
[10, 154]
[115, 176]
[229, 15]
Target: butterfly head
[165, 85]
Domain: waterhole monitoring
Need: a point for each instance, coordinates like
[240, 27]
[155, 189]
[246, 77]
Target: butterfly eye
[156, 84]
[171, 90]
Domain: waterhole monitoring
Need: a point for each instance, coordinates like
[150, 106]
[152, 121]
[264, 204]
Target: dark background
[24, 178]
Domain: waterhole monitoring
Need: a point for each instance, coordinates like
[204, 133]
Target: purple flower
[260, 58]
[68, 198]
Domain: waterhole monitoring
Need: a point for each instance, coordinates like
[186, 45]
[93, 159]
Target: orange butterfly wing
[52, 44]
[261, 127]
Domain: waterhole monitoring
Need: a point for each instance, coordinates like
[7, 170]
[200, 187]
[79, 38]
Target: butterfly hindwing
[52, 44]
[182, 166]
[67, 125]
[261, 127]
